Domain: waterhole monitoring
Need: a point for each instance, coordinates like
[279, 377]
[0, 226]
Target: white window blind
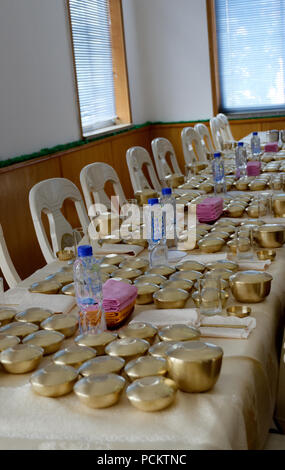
[251, 54]
[90, 24]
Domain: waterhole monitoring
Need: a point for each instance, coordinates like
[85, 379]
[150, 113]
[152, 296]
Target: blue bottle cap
[217, 154]
[84, 250]
[153, 201]
[255, 133]
[240, 144]
[166, 191]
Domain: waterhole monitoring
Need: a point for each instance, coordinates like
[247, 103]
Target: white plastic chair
[137, 157]
[216, 133]
[93, 179]
[6, 265]
[48, 197]
[226, 127]
[190, 136]
[205, 137]
[160, 148]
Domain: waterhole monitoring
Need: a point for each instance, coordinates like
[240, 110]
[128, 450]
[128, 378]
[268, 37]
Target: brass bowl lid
[211, 242]
[240, 311]
[151, 389]
[152, 278]
[73, 354]
[20, 329]
[191, 265]
[62, 277]
[169, 294]
[33, 315]
[193, 351]
[223, 263]
[112, 258]
[45, 287]
[95, 340]
[53, 374]
[147, 288]
[21, 353]
[44, 338]
[99, 385]
[127, 273]
[250, 277]
[183, 284]
[8, 341]
[271, 228]
[159, 349]
[125, 347]
[219, 273]
[146, 366]
[136, 263]
[188, 275]
[179, 332]
[68, 289]
[102, 365]
[120, 279]
[140, 330]
[7, 314]
[111, 239]
[108, 268]
[59, 321]
[162, 270]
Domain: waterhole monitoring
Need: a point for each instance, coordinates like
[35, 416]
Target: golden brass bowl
[229, 229]
[235, 211]
[183, 284]
[253, 210]
[270, 235]
[219, 273]
[195, 366]
[223, 263]
[174, 180]
[207, 187]
[170, 298]
[145, 293]
[152, 393]
[54, 380]
[211, 245]
[191, 265]
[113, 258]
[179, 332]
[33, 315]
[21, 358]
[127, 348]
[108, 268]
[8, 341]
[241, 185]
[218, 233]
[137, 263]
[100, 391]
[258, 185]
[162, 270]
[62, 277]
[97, 341]
[120, 279]
[143, 196]
[102, 365]
[73, 355]
[68, 289]
[110, 239]
[278, 204]
[127, 273]
[240, 311]
[159, 349]
[7, 315]
[250, 286]
[63, 322]
[150, 278]
[266, 254]
[196, 296]
[243, 245]
[223, 283]
[50, 341]
[146, 366]
[45, 287]
[188, 275]
[19, 329]
[65, 255]
[140, 330]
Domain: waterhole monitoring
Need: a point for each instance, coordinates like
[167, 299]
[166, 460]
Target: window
[98, 63]
[250, 38]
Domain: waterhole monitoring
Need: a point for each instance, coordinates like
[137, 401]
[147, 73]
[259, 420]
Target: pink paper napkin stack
[210, 209]
[117, 295]
[272, 147]
[253, 168]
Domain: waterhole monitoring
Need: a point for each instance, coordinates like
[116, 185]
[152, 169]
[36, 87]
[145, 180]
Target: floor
[275, 442]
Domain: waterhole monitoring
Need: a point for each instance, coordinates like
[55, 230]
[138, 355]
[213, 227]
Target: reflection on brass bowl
[240, 311]
[62, 322]
[250, 286]
[127, 348]
[195, 366]
[279, 205]
[102, 365]
[54, 380]
[184, 284]
[140, 330]
[50, 341]
[33, 315]
[152, 393]
[20, 329]
[170, 298]
[68, 289]
[100, 391]
[21, 358]
[73, 355]
[266, 254]
[270, 235]
[146, 366]
[211, 245]
[159, 349]
[98, 341]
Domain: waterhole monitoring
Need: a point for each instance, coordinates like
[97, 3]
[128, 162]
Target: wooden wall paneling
[273, 124]
[242, 128]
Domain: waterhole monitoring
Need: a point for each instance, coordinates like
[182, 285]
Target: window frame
[120, 71]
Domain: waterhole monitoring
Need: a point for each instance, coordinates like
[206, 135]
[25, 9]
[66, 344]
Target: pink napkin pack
[117, 295]
[253, 168]
[271, 147]
[210, 209]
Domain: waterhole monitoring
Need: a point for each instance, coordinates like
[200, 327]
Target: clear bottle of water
[88, 291]
[219, 174]
[168, 203]
[157, 243]
[241, 160]
[255, 146]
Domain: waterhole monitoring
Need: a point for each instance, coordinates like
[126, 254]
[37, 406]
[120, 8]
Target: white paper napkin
[159, 318]
[210, 257]
[22, 299]
[218, 326]
[259, 265]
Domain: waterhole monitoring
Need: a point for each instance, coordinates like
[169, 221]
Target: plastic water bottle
[241, 160]
[255, 146]
[88, 291]
[158, 251]
[219, 174]
[168, 202]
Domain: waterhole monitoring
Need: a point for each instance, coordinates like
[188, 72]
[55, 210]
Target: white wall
[37, 95]
[168, 59]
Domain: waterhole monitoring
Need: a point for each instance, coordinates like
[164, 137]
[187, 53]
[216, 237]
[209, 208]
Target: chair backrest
[206, 140]
[6, 265]
[161, 147]
[48, 196]
[93, 180]
[226, 126]
[190, 136]
[137, 157]
[216, 133]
